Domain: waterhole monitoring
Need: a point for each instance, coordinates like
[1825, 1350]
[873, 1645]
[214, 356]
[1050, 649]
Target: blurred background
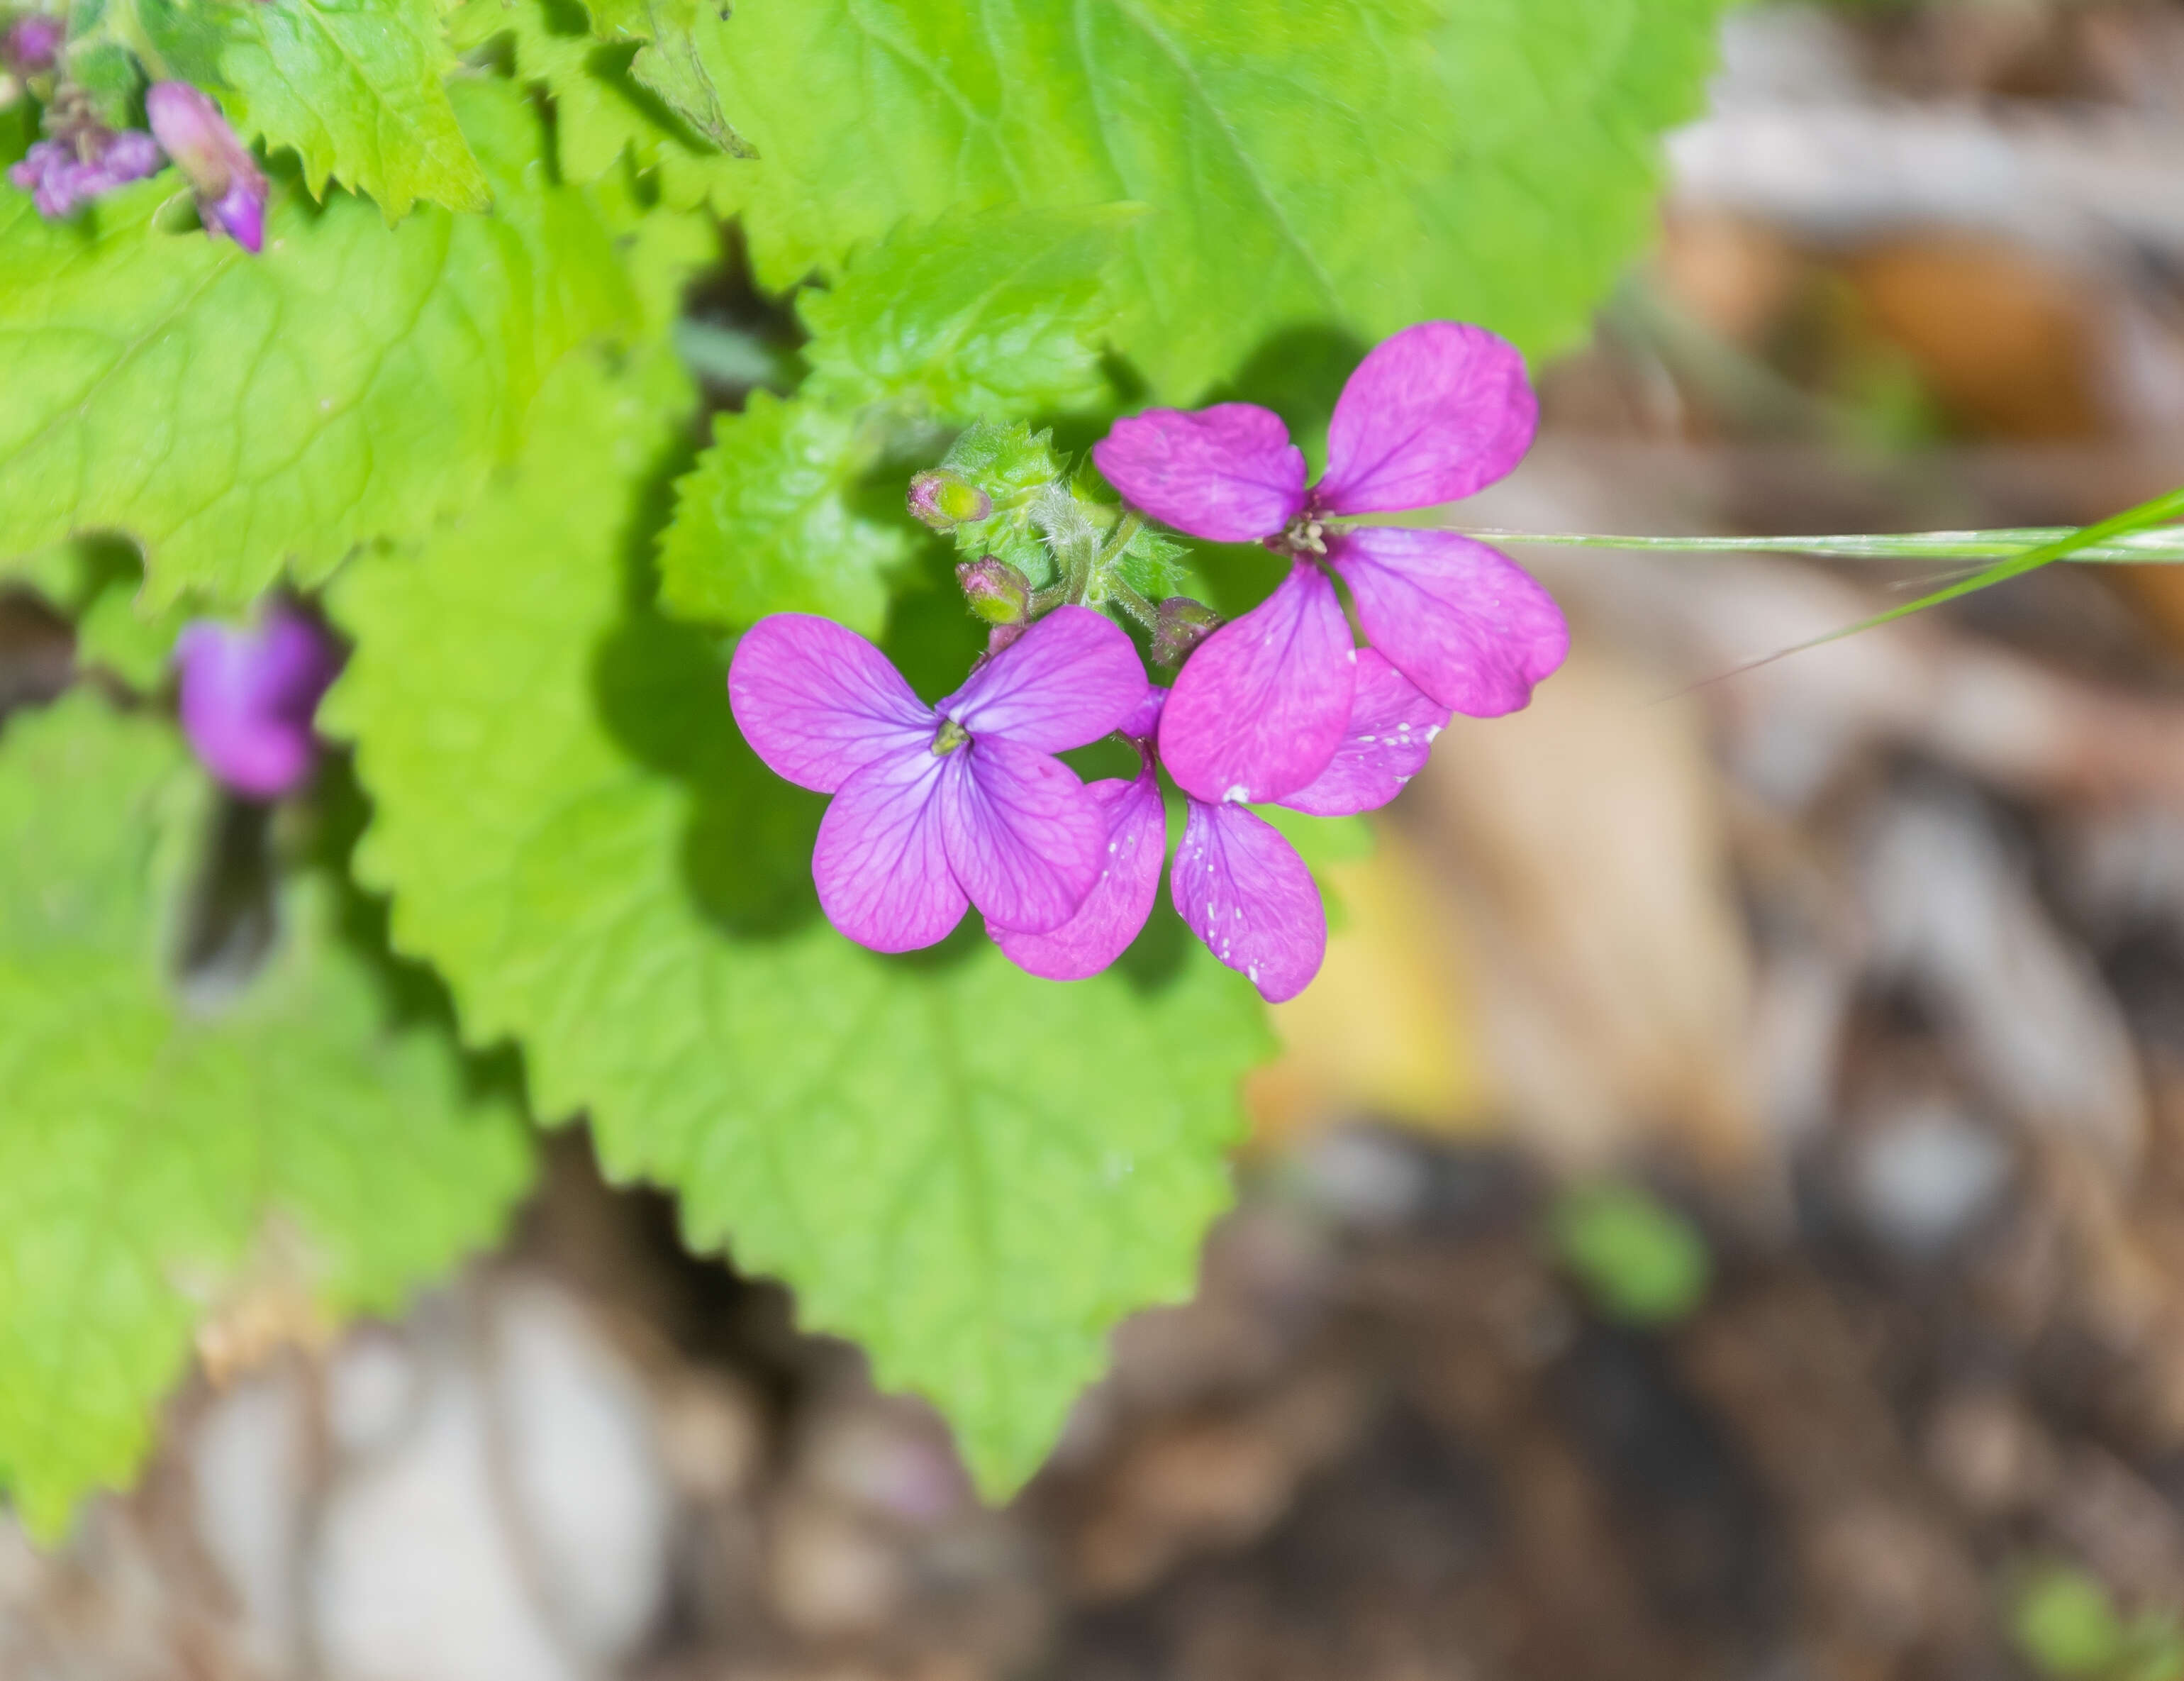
[1720, 1212]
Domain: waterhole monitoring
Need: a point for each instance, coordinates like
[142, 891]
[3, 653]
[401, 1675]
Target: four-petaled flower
[247, 699]
[1433, 414]
[230, 188]
[937, 807]
[1236, 884]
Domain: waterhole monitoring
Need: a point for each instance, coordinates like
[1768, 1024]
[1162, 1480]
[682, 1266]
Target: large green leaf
[972, 1172]
[233, 413]
[1358, 167]
[355, 86]
[160, 1162]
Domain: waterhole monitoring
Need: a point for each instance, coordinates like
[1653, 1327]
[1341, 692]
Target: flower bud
[997, 592]
[943, 501]
[32, 44]
[231, 190]
[1184, 624]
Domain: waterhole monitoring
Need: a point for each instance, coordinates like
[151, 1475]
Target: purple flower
[231, 189]
[63, 174]
[941, 805]
[1236, 884]
[32, 44]
[1435, 413]
[247, 696]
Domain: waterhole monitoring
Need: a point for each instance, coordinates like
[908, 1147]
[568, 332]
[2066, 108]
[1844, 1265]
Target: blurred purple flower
[1433, 414]
[247, 696]
[61, 176]
[231, 189]
[935, 807]
[32, 44]
[1236, 884]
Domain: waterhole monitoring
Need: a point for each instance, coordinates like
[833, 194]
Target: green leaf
[764, 525]
[232, 413]
[356, 87]
[160, 1165]
[602, 112]
[973, 316]
[1352, 167]
[937, 324]
[972, 1172]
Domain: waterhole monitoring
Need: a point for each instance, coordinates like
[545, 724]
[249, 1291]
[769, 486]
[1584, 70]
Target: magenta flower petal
[1432, 414]
[1260, 707]
[1392, 725]
[1069, 680]
[247, 699]
[1228, 474]
[1115, 910]
[881, 863]
[819, 703]
[1243, 889]
[1024, 836]
[1463, 621]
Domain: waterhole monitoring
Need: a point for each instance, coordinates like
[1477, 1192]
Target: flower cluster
[247, 696]
[941, 807]
[1432, 414]
[83, 158]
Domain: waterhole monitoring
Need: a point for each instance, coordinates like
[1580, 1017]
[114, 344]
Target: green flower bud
[997, 592]
[942, 501]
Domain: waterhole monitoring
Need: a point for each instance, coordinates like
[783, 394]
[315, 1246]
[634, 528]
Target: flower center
[949, 737]
[1302, 535]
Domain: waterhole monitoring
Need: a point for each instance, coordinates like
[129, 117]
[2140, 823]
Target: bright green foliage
[234, 412]
[602, 112]
[160, 1163]
[678, 61]
[937, 324]
[355, 86]
[971, 1172]
[765, 524]
[1639, 1261]
[971, 316]
[1351, 167]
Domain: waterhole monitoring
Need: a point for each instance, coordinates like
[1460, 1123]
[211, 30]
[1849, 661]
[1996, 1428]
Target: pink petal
[881, 864]
[1069, 680]
[1116, 908]
[819, 703]
[1228, 474]
[1144, 723]
[1433, 414]
[1025, 838]
[1463, 621]
[1243, 891]
[1260, 707]
[1392, 725]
